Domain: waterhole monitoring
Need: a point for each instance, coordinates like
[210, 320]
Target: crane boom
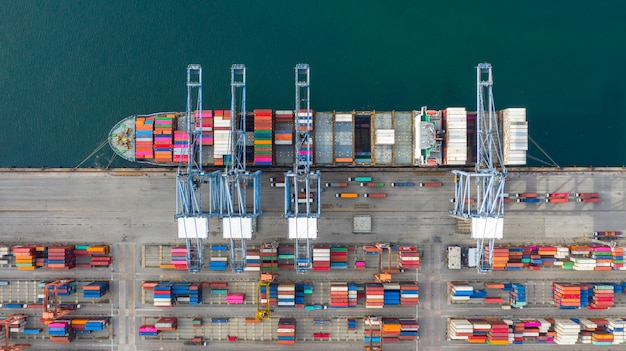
[240, 191]
[302, 187]
[487, 214]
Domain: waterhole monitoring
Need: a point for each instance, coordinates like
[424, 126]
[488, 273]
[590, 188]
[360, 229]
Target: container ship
[419, 138]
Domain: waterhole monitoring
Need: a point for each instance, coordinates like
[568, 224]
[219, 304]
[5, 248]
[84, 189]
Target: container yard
[124, 286]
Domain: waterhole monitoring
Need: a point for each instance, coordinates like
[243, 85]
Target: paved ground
[130, 208]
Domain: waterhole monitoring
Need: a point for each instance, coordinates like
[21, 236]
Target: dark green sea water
[71, 69]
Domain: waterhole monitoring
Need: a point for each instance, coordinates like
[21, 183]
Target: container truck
[337, 185]
[557, 199]
[373, 184]
[529, 199]
[526, 195]
[277, 185]
[360, 179]
[277, 180]
[467, 201]
[431, 184]
[347, 195]
[554, 195]
[589, 199]
[376, 195]
[587, 195]
[454, 257]
[402, 184]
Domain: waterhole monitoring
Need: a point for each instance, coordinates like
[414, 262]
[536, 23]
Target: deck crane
[265, 280]
[487, 213]
[51, 308]
[196, 191]
[302, 186]
[240, 191]
[5, 323]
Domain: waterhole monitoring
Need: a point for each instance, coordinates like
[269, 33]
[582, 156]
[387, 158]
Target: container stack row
[218, 260]
[61, 331]
[148, 330]
[166, 324]
[25, 257]
[286, 257]
[514, 135]
[517, 296]
[343, 295]
[409, 294]
[218, 288]
[408, 257]
[455, 149]
[181, 146]
[378, 295]
[286, 331]
[338, 257]
[163, 138]
[321, 258]
[4, 255]
[306, 125]
[61, 257]
[263, 137]
[269, 258]
[144, 136]
[95, 290]
[253, 261]
[179, 258]
[206, 128]
[235, 298]
[283, 136]
[221, 136]
[88, 256]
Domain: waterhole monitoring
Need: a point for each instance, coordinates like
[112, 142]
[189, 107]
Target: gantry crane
[265, 280]
[51, 308]
[384, 275]
[374, 322]
[240, 191]
[302, 186]
[193, 209]
[5, 323]
[489, 177]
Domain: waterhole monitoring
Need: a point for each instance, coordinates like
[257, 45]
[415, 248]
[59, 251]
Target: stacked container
[4, 255]
[217, 261]
[514, 135]
[283, 137]
[96, 256]
[339, 295]
[95, 290]
[286, 294]
[583, 264]
[409, 294]
[222, 136]
[207, 126]
[269, 258]
[374, 328]
[518, 295]
[61, 331]
[95, 324]
[500, 258]
[148, 330]
[163, 138]
[253, 261]
[455, 119]
[460, 291]
[181, 146]
[374, 295]
[321, 258]
[144, 134]
[163, 295]
[617, 327]
[286, 257]
[603, 256]
[408, 329]
[339, 257]
[499, 333]
[286, 331]
[566, 332]
[618, 258]
[263, 137]
[179, 257]
[61, 257]
[235, 298]
[24, 257]
[408, 257]
[460, 329]
[17, 326]
[391, 294]
[391, 329]
[566, 296]
[166, 324]
[351, 324]
[603, 297]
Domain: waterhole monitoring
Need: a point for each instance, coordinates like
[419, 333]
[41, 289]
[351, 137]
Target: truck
[526, 195]
[467, 201]
[277, 180]
[529, 199]
[375, 195]
[360, 179]
[347, 195]
[431, 184]
[587, 195]
[555, 195]
[402, 184]
[373, 184]
[337, 185]
[454, 257]
[277, 185]
[589, 199]
[557, 199]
